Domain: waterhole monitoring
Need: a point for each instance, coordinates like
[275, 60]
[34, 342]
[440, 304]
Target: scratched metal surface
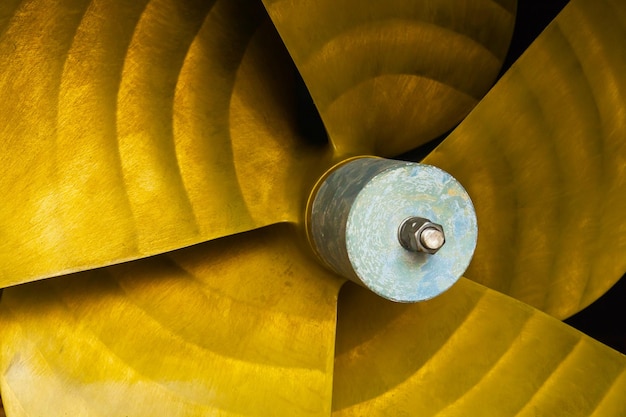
[356, 216]
[402, 191]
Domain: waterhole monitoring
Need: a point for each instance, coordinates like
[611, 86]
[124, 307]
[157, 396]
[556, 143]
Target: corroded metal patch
[355, 218]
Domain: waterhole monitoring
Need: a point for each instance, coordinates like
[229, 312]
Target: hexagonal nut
[417, 234]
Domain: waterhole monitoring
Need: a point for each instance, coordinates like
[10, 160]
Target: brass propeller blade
[187, 102]
[130, 130]
[544, 158]
[389, 76]
[469, 352]
[238, 326]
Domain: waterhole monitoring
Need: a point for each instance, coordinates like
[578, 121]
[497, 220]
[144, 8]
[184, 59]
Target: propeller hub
[404, 230]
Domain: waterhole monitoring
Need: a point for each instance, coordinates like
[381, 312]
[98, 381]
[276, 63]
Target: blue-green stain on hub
[405, 190]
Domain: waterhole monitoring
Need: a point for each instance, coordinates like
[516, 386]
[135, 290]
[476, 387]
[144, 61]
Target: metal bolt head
[417, 234]
[432, 238]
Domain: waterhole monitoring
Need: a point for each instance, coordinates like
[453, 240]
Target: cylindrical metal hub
[406, 231]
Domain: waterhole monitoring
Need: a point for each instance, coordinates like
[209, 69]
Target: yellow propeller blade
[130, 130]
[468, 352]
[544, 159]
[135, 129]
[389, 76]
[239, 326]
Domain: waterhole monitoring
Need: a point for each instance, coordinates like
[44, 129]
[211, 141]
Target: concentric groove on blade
[348, 52]
[608, 406]
[118, 140]
[239, 326]
[502, 358]
[7, 11]
[363, 335]
[398, 98]
[207, 76]
[264, 140]
[38, 51]
[91, 78]
[543, 158]
[570, 369]
[334, 18]
[396, 37]
[155, 55]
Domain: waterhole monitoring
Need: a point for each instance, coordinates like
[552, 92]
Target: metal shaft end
[417, 234]
[361, 208]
